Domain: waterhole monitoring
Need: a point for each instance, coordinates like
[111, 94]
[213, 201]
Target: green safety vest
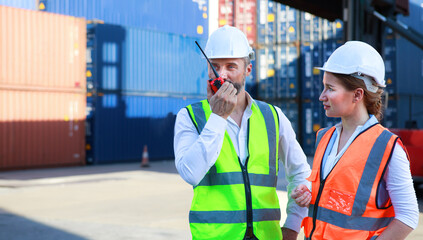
[232, 197]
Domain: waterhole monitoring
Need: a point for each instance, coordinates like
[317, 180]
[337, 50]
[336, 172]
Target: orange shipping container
[40, 49]
[42, 89]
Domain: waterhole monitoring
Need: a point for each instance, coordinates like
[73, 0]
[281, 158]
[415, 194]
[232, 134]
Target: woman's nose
[322, 96]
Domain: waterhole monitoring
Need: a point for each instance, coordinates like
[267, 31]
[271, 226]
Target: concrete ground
[120, 201]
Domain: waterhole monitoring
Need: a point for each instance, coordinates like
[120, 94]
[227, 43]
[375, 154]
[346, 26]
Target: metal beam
[328, 9]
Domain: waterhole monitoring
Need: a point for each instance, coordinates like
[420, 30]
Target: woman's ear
[358, 95]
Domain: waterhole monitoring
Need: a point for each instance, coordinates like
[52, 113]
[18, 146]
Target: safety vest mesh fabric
[345, 204]
[220, 207]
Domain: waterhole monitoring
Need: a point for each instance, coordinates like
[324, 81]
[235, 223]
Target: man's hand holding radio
[223, 102]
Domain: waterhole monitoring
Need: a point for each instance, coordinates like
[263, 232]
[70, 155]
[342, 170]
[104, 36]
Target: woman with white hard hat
[361, 181]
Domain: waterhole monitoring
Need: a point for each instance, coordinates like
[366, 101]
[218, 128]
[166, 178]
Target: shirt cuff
[216, 123]
[293, 222]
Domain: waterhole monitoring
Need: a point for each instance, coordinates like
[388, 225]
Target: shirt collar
[370, 122]
[250, 101]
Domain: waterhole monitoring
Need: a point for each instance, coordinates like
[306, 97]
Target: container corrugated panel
[246, 18]
[42, 89]
[191, 15]
[409, 56]
[133, 59]
[311, 78]
[339, 29]
[409, 111]
[251, 85]
[41, 50]
[390, 114]
[267, 73]
[289, 107]
[25, 4]
[390, 59]
[226, 12]
[124, 123]
[403, 111]
[266, 22]
[307, 90]
[317, 74]
[41, 129]
[287, 24]
[245, 12]
[312, 122]
[288, 72]
[310, 27]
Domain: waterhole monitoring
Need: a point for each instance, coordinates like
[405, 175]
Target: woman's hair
[372, 101]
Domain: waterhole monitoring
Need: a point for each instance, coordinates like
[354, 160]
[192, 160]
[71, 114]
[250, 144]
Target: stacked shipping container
[140, 73]
[404, 78]
[42, 89]
[186, 17]
[143, 66]
[138, 79]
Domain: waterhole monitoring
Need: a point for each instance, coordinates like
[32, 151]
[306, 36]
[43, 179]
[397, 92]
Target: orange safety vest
[345, 204]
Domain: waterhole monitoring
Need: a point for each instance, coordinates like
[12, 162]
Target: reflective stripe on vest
[225, 198]
[376, 161]
[233, 216]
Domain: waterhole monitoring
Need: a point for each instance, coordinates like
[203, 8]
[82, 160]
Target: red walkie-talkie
[218, 81]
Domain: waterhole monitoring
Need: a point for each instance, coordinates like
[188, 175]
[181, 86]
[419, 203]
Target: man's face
[232, 70]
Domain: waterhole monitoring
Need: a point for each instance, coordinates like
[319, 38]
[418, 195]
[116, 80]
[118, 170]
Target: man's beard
[238, 86]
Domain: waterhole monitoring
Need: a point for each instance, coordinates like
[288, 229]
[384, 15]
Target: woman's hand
[301, 195]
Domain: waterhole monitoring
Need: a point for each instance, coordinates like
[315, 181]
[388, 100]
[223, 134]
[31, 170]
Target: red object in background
[413, 142]
[241, 14]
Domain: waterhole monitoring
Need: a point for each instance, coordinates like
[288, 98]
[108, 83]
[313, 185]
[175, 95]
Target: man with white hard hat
[228, 147]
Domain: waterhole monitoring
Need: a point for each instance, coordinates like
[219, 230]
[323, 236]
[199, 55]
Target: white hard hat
[228, 42]
[360, 60]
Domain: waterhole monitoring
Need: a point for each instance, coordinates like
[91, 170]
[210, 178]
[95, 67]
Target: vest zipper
[247, 195]
[316, 204]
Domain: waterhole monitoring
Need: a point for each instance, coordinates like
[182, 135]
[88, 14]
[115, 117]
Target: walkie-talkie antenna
[214, 70]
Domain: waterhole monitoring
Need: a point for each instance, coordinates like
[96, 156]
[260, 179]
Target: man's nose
[223, 73]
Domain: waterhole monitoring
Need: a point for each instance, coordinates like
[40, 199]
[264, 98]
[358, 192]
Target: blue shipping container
[311, 83]
[404, 111]
[25, 4]
[187, 17]
[289, 108]
[288, 70]
[287, 24]
[266, 22]
[390, 59]
[148, 62]
[266, 71]
[313, 120]
[122, 123]
[409, 56]
[310, 27]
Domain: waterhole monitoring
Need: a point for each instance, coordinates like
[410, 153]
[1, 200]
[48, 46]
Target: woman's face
[337, 100]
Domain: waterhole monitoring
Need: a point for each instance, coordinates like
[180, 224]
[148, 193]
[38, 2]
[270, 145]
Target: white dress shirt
[195, 154]
[399, 183]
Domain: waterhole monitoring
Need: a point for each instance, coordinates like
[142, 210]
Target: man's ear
[248, 69]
